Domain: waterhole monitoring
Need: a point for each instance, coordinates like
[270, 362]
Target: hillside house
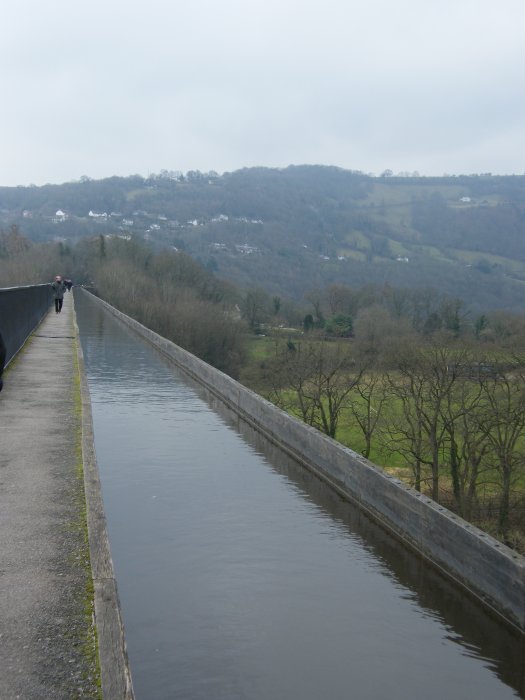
[60, 216]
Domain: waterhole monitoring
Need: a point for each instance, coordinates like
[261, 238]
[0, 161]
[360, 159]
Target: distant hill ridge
[288, 230]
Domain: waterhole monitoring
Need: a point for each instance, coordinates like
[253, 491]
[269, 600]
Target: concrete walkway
[47, 637]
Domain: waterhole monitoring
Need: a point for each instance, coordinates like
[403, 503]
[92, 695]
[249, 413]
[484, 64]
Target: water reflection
[481, 634]
[241, 575]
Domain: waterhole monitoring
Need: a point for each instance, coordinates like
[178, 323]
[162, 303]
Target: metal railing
[21, 310]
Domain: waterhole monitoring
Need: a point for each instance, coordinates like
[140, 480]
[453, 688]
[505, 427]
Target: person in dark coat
[59, 287]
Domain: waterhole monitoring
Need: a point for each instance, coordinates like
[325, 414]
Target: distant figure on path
[59, 287]
[68, 284]
[2, 359]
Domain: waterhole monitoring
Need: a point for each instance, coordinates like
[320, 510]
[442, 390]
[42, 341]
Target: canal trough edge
[114, 664]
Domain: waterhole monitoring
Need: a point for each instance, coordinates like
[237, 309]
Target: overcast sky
[118, 87]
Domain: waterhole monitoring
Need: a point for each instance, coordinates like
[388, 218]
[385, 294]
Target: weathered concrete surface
[489, 570]
[47, 642]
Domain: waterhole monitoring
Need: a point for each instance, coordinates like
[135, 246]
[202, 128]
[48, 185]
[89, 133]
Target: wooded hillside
[291, 230]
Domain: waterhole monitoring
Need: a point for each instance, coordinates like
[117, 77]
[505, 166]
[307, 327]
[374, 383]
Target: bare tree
[316, 298]
[424, 377]
[502, 424]
[367, 407]
[403, 432]
[315, 380]
[288, 375]
[255, 306]
[466, 445]
[335, 374]
[342, 299]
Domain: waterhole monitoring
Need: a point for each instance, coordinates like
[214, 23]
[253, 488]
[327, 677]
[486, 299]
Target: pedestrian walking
[59, 287]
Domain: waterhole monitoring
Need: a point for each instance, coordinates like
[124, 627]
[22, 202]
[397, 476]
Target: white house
[59, 216]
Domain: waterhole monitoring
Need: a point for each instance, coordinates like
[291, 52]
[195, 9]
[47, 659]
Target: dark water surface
[242, 576]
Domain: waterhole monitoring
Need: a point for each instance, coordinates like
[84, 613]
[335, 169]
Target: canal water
[242, 576]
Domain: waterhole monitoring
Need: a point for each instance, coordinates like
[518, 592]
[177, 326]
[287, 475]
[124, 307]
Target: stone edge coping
[113, 657]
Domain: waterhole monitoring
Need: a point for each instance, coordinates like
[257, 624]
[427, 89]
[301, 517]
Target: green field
[488, 483]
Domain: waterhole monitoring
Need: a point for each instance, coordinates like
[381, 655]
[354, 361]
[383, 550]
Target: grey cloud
[118, 87]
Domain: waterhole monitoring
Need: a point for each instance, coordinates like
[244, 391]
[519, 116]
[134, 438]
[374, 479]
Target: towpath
[47, 637]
